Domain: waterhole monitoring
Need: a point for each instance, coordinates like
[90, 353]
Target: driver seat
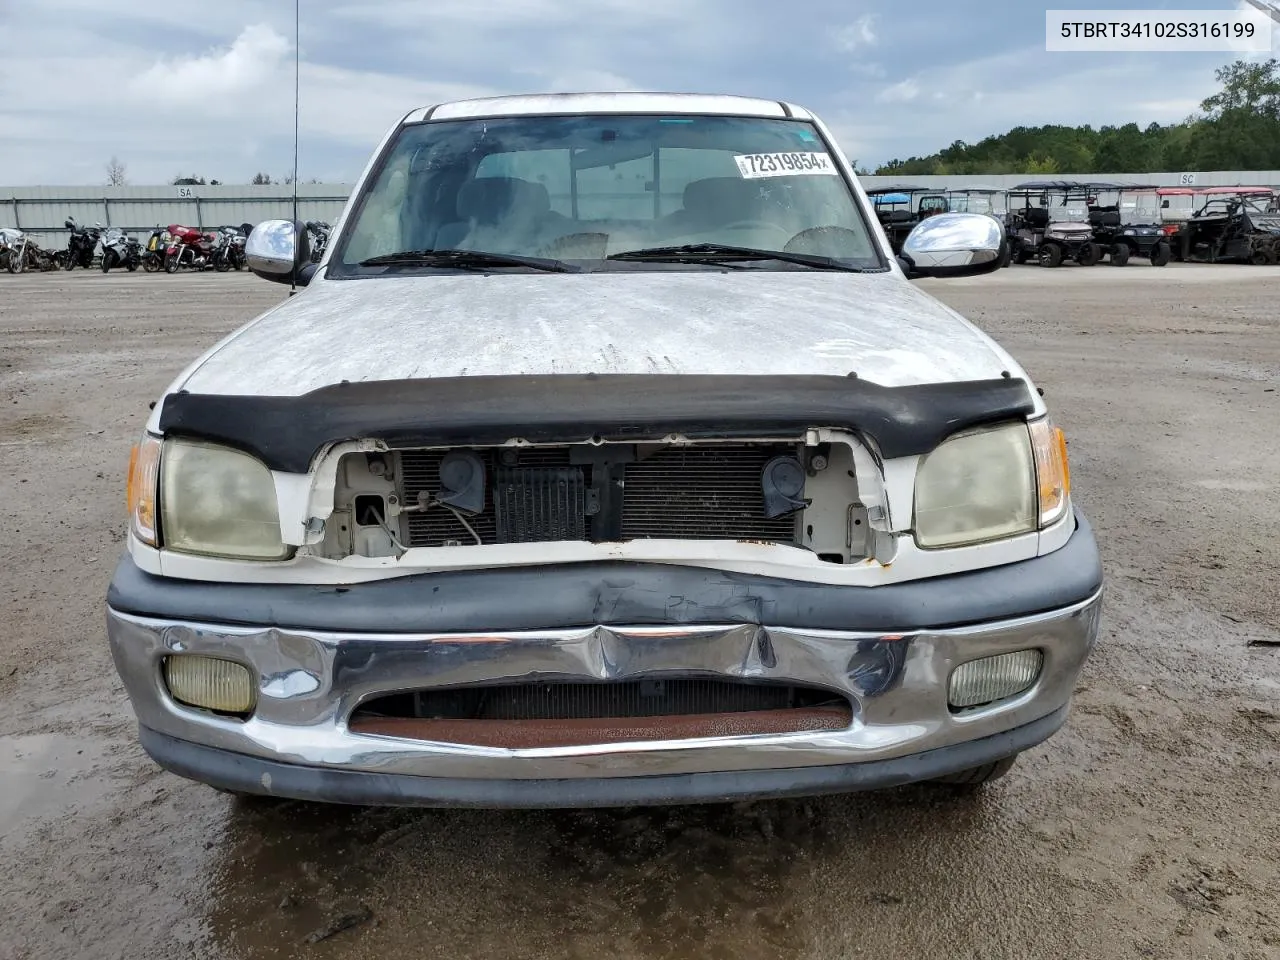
[713, 202]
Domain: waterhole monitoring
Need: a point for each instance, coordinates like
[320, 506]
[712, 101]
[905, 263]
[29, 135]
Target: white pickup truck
[607, 456]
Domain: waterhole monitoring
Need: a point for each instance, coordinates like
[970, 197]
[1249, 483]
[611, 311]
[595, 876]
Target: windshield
[584, 188]
[1253, 203]
[975, 203]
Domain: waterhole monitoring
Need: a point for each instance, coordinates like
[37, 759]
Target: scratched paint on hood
[404, 327]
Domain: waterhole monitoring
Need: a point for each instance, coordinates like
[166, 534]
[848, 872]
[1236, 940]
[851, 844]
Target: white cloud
[861, 33]
[212, 96]
[254, 58]
[903, 92]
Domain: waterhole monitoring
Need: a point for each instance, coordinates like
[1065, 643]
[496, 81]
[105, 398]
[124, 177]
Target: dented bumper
[886, 657]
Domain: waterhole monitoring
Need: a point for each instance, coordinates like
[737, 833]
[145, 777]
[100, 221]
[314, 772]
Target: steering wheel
[821, 240]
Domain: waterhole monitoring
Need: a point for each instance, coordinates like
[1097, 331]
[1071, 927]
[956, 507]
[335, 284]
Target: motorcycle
[228, 249]
[9, 237]
[18, 252]
[120, 250]
[188, 249]
[319, 231]
[157, 244]
[81, 244]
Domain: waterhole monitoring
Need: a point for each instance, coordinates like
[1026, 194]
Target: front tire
[16, 261]
[1120, 254]
[1050, 255]
[171, 264]
[1161, 253]
[1089, 255]
[107, 259]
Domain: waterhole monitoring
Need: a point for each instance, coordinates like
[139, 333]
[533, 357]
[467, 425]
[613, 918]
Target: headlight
[976, 486]
[991, 483]
[218, 502]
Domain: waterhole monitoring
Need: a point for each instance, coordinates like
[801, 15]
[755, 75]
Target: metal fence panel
[42, 210]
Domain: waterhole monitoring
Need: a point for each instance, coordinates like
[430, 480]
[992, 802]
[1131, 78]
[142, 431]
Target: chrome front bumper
[309, 683]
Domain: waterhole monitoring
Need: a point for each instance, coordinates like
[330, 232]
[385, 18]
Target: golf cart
[1232, 225]
[1048, 222]
[987, 200]
[901, 206]
[1125, 219]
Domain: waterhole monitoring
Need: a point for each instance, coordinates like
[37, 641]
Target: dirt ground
[1149, 827]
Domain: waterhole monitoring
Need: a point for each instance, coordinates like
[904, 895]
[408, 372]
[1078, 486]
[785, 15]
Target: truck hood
[410, 327]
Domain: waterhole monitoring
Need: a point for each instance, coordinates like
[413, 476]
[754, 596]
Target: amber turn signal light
[141, 488]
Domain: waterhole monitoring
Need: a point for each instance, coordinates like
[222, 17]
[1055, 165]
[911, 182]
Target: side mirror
[955, 245]
[280, 251]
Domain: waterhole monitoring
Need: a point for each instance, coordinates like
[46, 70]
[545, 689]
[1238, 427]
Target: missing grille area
[701, 492]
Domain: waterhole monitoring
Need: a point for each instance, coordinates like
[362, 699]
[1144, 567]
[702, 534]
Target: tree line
[1237, 128]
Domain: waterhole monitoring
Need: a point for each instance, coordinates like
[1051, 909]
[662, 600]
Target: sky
[207, 89]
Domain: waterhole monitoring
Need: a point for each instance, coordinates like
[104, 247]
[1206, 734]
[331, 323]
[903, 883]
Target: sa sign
[188, 193]
[1187, 180]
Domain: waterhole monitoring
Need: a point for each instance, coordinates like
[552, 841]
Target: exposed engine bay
[768, 491]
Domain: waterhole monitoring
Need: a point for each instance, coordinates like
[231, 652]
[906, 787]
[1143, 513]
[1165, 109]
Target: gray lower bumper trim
[574, 595]
[245, 774]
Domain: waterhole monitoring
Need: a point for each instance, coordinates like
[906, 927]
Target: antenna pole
[297, 99]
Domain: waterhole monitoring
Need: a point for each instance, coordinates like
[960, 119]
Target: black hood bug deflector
[286, 433]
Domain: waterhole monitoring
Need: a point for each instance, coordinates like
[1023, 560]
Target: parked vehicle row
[172, 248]
[1054, 222]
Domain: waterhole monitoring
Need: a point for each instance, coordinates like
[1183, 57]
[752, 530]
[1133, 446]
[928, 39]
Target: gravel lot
[1149, 827]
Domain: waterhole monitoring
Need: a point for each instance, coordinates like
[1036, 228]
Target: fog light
[994, 678]
[209, 683]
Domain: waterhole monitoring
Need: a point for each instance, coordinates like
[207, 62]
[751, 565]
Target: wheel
[1050, 255]
[222, 264]
[151, 264]
[132, 266]
[1089, 255]
[1160, 253]
[967, 781]
[1020, 254]
[107, 259]
[171, 264]
[1120, 254]
[16, 261]
[70, 262]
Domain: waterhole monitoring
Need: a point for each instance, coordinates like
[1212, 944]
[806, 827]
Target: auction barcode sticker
[1169, 31]
[755, 165]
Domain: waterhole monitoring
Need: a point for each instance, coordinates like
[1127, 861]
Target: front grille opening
[563, 713]
[538, 494]
[573, 700]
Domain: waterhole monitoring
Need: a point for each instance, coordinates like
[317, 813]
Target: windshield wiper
[722, 252]
[468, 260]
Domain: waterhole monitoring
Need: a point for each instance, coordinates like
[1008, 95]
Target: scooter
[120, 250]
[157, 244]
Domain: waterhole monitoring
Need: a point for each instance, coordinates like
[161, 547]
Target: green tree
[1239, 129]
